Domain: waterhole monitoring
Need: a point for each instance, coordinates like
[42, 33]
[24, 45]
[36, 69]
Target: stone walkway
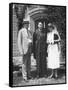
[18, 80]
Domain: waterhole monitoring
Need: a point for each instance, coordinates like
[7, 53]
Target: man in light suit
[24, 45]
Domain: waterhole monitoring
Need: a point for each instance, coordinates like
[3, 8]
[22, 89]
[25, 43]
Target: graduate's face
[40, 26]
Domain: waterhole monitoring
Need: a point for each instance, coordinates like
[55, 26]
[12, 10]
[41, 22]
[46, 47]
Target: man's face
[26, 26]
[40, 25]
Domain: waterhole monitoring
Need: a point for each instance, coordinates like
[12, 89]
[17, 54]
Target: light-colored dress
[53, 59]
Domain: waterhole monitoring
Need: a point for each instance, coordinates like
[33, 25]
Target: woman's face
[50, 29]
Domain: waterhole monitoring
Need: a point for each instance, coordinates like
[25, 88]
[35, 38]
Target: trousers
[26, 66]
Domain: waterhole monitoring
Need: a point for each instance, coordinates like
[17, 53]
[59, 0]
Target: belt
[53, 43]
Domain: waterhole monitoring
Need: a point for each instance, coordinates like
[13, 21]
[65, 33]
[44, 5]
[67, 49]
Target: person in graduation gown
[40, 50]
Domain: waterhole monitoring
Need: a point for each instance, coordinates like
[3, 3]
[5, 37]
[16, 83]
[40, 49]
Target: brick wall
[15, 34]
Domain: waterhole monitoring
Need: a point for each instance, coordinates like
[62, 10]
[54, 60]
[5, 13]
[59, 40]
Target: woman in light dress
[53, 41]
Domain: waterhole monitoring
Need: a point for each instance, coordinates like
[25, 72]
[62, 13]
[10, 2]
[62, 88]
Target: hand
[21, 53]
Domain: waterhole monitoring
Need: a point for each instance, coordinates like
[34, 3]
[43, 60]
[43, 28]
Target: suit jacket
[23, 41]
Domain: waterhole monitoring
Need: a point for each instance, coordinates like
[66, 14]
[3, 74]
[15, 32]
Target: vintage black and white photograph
[37, 44]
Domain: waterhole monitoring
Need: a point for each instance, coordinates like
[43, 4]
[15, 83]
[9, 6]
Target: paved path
[18, 81]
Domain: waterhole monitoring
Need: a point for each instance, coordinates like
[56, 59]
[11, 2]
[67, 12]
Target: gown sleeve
[34, 44]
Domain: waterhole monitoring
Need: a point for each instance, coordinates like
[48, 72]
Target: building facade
[34, 14]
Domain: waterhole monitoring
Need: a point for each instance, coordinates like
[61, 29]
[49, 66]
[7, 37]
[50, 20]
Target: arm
[20, 42]
[58, 41]
[34, 44]
[47, 39]
[58, 37]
